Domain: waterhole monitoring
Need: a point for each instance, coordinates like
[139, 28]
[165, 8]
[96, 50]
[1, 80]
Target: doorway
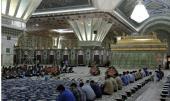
[80, 60]
[39, 58]
[96, 59]
[51, 59]
[65, 57]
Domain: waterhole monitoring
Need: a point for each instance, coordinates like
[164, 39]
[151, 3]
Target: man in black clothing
[96, 88]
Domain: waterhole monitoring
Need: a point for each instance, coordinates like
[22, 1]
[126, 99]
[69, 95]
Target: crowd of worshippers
[29, 71]
[90, 90]
[21, 71]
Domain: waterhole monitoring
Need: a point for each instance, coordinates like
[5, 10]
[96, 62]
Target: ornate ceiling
[158, 10]
[118, 13]
[49, 5]
[154, 7]
[19, 9]
[158, 7]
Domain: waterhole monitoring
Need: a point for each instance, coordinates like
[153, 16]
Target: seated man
[65, 94]
[115, 85]
[136, 74]
[146, 71]
[128, 76]
[108, 86]
[82, 93]
[158, 75]
[132, 77]
[140, 74]
[161, 73]
[90, 95]
[111, 71]
[124, 79]
[143, 73]
[96, 88]
[119, 82]
[75, 91]
[94, 71]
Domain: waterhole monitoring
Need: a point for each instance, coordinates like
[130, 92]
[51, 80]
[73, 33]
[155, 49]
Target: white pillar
[90, 31]
[7, 52]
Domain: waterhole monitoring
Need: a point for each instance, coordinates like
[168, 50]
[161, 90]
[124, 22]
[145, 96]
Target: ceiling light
[139, 13]
[63, 30]
[36, 25]
[118, 38]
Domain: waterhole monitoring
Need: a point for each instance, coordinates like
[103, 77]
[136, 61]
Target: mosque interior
[125, 34]
[81, 31]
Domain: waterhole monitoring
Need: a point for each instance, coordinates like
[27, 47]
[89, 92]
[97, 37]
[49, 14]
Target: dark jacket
[66, 95]
[97, 90]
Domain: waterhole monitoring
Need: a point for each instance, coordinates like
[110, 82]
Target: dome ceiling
[155, 8]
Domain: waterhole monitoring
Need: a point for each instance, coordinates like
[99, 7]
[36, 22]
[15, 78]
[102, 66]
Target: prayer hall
[85, 50]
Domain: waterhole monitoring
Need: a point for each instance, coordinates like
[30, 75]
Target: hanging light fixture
[139, 13]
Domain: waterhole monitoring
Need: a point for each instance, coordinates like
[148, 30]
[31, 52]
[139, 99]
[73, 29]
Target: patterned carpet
[39, 89]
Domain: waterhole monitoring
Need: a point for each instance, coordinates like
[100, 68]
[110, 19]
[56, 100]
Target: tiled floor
[153, 92]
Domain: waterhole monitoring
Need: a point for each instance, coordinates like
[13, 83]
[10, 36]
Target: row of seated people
[28, 71]
[21, 71]
[89, 91]
[116, 81]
